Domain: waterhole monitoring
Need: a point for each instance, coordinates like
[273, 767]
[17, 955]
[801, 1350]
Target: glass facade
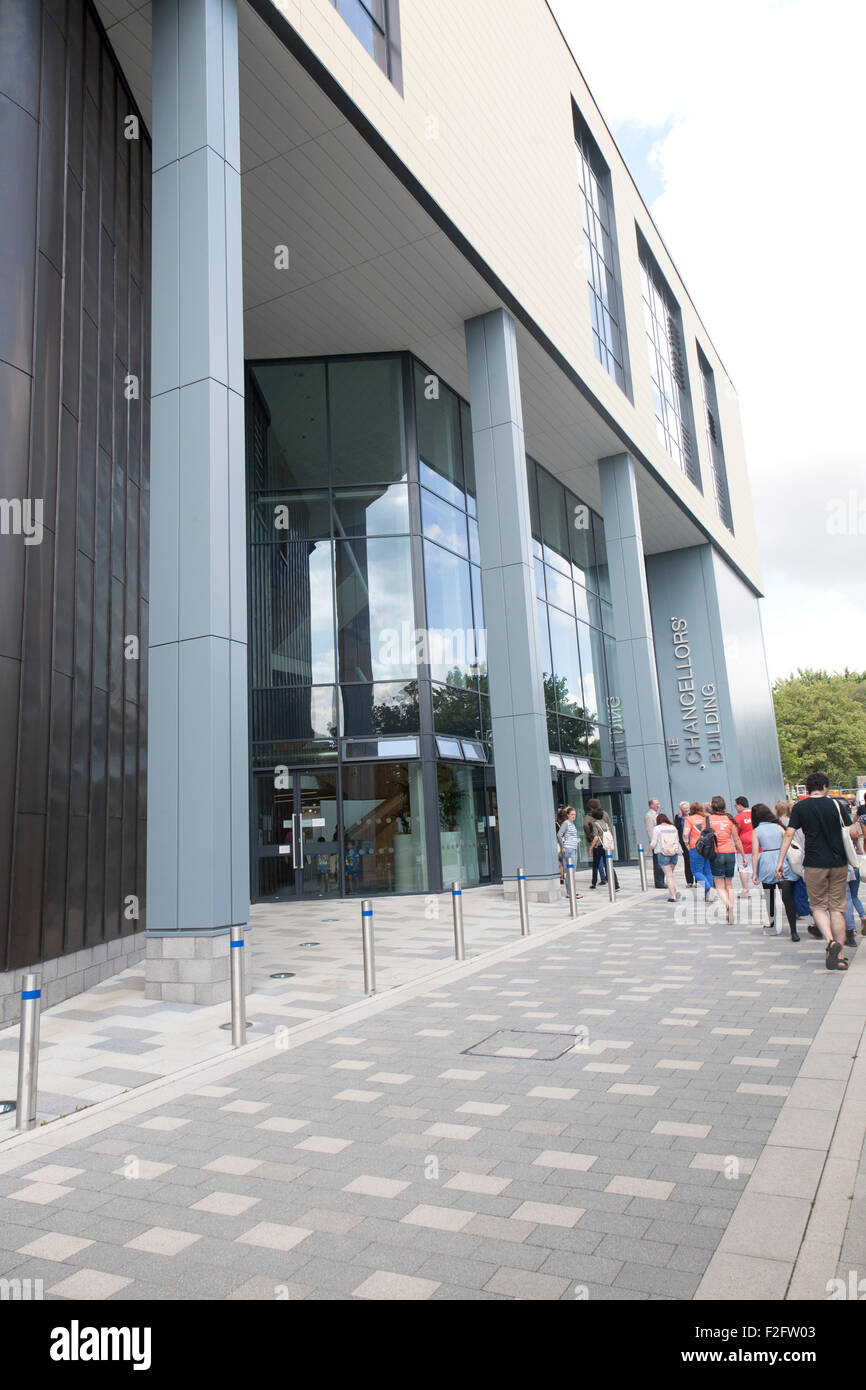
[599, 232]
[715, 448]
[667, 358]
[375, 23]
[368, 667]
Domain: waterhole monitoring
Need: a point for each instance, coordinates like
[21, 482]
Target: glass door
[296, 850]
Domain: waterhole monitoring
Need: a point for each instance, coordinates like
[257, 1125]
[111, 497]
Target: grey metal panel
[204, 786]
[57, 830]
[46, 388]
[35, 678]
[71, 366]
[52, 144]
[19, 135]
[15, 428]
[20, 53]
[10, 671]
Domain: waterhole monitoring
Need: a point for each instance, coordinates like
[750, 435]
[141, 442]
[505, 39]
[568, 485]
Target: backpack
[606, 838]
[706, 841]
[669, 840]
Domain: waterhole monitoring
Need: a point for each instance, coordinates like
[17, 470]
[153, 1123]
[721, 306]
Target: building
[371, 482]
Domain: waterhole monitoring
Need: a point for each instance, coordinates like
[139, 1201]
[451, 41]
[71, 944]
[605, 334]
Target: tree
[821, 722]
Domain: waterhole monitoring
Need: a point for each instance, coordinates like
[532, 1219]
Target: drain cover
[534, 1047]
[308, 943]
[283, 975]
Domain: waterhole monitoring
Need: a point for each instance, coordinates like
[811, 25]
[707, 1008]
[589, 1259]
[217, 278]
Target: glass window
[478, 611]
[668, 368]
[560, 590]
[290, 516]
[444, 523]
[449, 748]
[583, 602]
[580, 531]
[554, 529]
[375, 617]
[456, 712]
[532, 482]
[468, 457]
[367, 21]
[461, 812]
[451, 639]
[714, 443]
[389, 708]
[438, 428]
[306, 713]
[288, 426]
[544, 653]
[593, 178]
[590, 641]
[383, 826]
[292, 613]
[599, 578]
[474, 543]
[566, 664]
[486, 730]
[367, 429]
[372, 511]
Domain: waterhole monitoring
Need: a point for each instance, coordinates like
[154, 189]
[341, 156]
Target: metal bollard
[28, 1054]
[572, 891]
[611, 890]
[367, 946]
[239, 1003]
[457, 904]
[521, 900]
[641, 861]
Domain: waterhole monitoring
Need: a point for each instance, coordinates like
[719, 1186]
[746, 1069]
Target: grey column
[635, 650]
[523, 784]
[198, 813]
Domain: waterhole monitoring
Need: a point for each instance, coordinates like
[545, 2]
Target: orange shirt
[692, 827]
[724, 830]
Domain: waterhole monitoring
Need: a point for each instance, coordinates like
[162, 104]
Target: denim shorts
[667, 859]
[722, 865]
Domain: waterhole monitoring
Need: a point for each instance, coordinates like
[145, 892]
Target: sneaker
[794, 936]
[850, 938]
[863, 926]
[813, 931]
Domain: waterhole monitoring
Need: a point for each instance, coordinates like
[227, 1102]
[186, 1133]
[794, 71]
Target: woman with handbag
[598, 833]
[693, 824]
[767, 835]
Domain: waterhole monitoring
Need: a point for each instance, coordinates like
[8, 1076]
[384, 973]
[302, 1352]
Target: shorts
[722, 865]
[827, 888]
[667, 859]
[744, 863]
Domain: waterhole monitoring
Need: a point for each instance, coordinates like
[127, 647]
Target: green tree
[821, 722]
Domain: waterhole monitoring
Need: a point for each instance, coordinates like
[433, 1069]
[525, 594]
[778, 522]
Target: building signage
[698, 706]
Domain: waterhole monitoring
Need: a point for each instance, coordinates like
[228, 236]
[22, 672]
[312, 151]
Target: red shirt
[744, 825]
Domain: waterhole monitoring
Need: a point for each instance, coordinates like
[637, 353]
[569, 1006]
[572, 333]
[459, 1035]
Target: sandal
[835, 960]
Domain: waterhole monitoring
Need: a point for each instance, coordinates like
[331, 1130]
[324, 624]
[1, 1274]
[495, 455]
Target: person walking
[679, 819]
[649, 821]
[743, 817]
[666, 845]
[767, 833]
[598, 833]
[825, 863]
[560, 817]
[692, 827]
[727, 846]
[858, 835]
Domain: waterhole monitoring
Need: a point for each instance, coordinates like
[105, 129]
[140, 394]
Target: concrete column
[635, 650]
[523, 785]
[198, 814]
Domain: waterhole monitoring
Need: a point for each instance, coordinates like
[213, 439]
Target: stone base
[189, 969]
[538, 890]
[65, 976]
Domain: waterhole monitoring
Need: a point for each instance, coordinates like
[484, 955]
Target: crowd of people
[805, 855]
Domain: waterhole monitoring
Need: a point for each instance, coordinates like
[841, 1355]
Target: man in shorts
[825, 865]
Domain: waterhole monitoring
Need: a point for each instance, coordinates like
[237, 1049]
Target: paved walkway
[576, 1115]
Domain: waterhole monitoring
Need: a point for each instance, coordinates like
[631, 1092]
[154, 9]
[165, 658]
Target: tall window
[714, 442]
[599, 247]
[667, 358]
[376, 24]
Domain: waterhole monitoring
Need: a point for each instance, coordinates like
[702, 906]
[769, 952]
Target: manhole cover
[534, 1047]
[308, 943]
[7, 1106]
[283, 975]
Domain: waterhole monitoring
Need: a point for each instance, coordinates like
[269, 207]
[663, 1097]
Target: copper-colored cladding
[74, 312]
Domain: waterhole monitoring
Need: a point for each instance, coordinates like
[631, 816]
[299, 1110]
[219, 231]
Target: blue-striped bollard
[28, 1053]
[239, 1003]
[521, 901]
[367, 946]
[457, 905]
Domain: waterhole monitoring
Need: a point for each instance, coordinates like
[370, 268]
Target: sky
[743, 126]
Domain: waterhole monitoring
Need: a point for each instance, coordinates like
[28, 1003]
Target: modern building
[371, 484]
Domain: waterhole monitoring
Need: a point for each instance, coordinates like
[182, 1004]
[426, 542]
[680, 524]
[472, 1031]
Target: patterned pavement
[575, 1117]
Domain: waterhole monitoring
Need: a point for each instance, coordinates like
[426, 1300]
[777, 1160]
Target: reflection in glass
[573, 736]
[554, 530]
[462, 831]
[566, 665]
[291, 613]
[289, 430]
[291, 516]
[383, 827]
[468, 458]
[380, 709]
[438, 430]
[560, 589]
[294, 713]
[443, 523]
[599, 576]
[456, 711]
[451, 638]
[375, 622]
[580, 531]
[372, 511]
[367, 430]
[591, 645]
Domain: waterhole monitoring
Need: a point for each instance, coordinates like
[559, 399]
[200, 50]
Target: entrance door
[297, 849]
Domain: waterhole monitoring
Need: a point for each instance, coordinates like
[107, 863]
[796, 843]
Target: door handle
[297, 847]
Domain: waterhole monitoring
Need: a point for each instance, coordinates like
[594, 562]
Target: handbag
[847, 843]
[794, 859]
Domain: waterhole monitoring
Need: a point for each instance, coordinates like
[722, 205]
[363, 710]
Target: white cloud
[763, 209]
